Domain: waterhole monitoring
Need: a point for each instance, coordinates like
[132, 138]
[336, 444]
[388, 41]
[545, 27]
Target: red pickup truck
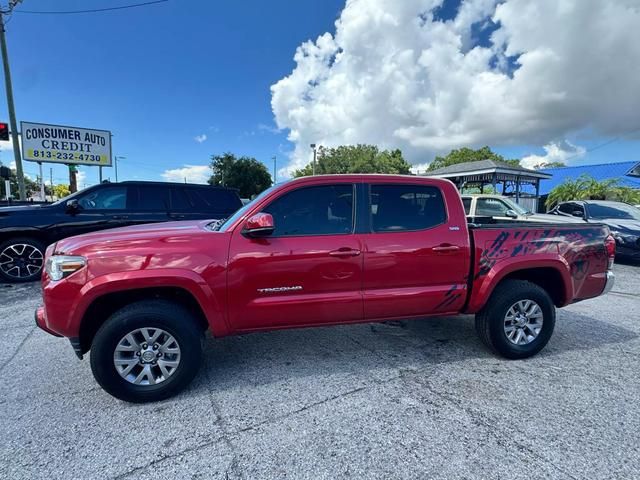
[315, 251]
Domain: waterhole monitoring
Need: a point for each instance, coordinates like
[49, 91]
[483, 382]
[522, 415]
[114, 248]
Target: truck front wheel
[518, 320]
[147, 351]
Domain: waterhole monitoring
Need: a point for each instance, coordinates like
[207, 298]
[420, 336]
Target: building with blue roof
[627, 174]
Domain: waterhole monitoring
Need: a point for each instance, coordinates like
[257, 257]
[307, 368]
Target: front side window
[572, 209]
[110, 198]
[322, 210]
[406, 207]
[491, 207]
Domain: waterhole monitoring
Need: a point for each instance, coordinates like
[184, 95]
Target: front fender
[210, 302]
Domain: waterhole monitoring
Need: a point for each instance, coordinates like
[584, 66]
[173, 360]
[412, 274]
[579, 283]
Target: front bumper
[41, 321]
[611, 279]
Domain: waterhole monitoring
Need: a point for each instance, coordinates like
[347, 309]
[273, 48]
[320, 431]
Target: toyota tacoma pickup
[316, 251]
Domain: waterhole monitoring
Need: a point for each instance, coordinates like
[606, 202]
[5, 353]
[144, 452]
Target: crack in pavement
[491, 428]
[33, 329]
[300, 410]
[625, 294]
[181, 453]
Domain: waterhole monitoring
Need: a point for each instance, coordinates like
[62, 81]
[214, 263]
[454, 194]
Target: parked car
[504, 209]
[25, 231]
[623, 221]
[316, 251]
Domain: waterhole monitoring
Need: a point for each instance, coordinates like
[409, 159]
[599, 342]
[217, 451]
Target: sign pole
[42, 192]
[12, 110]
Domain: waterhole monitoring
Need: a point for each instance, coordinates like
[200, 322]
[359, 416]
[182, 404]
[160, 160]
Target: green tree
[356, 159]
[61, 190]
[246, 174]
[627, 195]
[465, 155]
[30, 186]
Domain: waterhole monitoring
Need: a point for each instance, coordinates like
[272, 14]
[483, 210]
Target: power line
[96, 10]
[608, 142]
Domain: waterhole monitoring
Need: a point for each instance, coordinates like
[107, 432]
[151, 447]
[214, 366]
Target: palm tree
[586, 187]
[569, 190]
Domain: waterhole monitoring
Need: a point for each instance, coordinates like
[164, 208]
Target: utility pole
[12, 111]
[313, 168]
[274, 169]
[115, 161]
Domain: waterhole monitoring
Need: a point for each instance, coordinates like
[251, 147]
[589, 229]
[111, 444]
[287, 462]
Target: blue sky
[162, 75]
[159, 76]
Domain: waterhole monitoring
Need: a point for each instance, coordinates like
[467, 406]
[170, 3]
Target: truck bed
[573, 255]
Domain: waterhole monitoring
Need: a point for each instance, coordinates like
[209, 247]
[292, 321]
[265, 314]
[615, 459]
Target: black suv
[25, 231]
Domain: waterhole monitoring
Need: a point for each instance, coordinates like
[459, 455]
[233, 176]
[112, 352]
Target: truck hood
[621, 225]
[21, 209]
[126, 239]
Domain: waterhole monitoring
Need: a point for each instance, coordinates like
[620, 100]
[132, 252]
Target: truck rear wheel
[147, 351]
[518, 320]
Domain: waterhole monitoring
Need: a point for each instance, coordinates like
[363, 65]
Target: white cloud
[81, 179]
[419, 168]
[564, 152]
[268, 128]
[193, 174]
[393, 76]
[200, 138]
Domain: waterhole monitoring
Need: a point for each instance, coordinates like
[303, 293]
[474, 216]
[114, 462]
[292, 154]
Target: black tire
[24, 272]
[162, 314]
[490, 321]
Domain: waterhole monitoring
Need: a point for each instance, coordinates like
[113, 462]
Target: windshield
[517, 208]
[619, 210]
[222, 226]
[70, 197]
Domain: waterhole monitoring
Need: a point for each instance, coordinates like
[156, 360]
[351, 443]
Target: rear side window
[321, 210]
[153, 198]
[397, 208]
[466, 202]
[213, 199]
[179, 200]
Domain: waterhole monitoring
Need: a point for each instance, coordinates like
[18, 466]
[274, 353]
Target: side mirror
[259, 225]
[511, 213]
[73, 206]
[577, 213]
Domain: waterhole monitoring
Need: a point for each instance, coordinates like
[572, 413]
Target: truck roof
[363, 177]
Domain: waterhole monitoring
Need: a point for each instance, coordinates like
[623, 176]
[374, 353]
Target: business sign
[70, 145]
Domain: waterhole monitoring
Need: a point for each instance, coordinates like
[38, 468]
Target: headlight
[61, 266]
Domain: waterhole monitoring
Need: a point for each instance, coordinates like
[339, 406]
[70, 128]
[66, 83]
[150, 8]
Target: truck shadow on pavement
[380, 349]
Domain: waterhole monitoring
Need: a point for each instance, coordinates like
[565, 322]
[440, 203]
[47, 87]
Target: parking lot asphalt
[416, 399]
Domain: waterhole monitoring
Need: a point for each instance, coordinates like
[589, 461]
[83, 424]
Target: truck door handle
[446, 248]
[120, 217]
[344, 252]
[176, 215]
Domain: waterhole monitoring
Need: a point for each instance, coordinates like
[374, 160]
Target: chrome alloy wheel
[21, 260]
[147, 356]
[523, 322]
